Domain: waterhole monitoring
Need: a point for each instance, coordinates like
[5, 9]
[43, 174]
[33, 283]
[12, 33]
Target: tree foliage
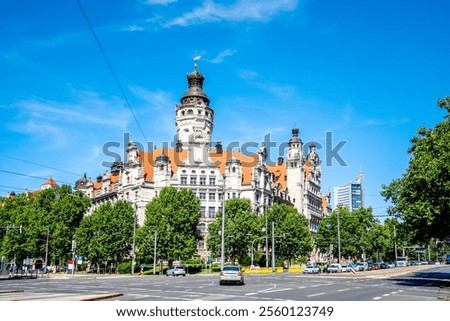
[242, 225]
[421, 197]
[107, 234]
[53, 212]
[175, 216]
[292, 236]
[360, 233]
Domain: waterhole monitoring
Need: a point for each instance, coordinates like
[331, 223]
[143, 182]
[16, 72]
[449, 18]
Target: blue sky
[368, 72]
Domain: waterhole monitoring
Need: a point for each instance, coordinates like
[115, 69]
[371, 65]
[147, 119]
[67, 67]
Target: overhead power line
[112, 70]
[41, 165]
[32, 176]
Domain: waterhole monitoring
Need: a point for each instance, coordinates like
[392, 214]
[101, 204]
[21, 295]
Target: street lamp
[154, 252]
[267, 238]
[222, 251]
[339, 238]
[273, 245]
[253, 243]
[46, 250]
[133, 257]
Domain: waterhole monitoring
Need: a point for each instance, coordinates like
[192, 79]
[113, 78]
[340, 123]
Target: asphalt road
[423, 283]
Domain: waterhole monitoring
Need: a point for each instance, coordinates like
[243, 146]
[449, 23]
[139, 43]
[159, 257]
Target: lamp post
[339, 238]
[154, 253]
[46, 250]
[253, 244]
[273, 246]
[395, 243]
[222, 250]
[133, 257]
[267, 237]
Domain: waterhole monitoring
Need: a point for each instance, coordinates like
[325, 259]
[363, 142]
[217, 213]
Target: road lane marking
[377, 298]
[342, 290]
[315, 294]
[276, 290]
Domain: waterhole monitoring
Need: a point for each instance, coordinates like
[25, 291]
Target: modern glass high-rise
[350, 195]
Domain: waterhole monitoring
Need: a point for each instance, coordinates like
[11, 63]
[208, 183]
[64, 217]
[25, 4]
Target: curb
[96, 297]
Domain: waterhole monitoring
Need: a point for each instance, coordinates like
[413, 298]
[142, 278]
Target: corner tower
[295, 170]
[194, 117]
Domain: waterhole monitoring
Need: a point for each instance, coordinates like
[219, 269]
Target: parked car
[231, 274]
[334, 268]
[345, 268]
[370, 266]
[384, 265]
[361, 266]
[391, 265]
[176, 271]
[311, 269]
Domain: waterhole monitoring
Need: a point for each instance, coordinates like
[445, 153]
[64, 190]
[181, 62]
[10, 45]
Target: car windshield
[231, 268]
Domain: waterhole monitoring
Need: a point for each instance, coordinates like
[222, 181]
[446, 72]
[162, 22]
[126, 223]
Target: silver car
[231, 274]
[176, 271]
[311, 269]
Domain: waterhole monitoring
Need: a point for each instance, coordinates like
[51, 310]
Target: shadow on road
[433, 279]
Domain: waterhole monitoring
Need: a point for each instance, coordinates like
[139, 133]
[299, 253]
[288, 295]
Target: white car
[176, 271]
[231, 274]
[334, 268]
[345, 268]
[311, 269]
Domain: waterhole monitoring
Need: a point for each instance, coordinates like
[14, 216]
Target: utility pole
[222, 250]
[267, 231]
[133, 258]
[273, 246]
[46, 250]
[154, 253]
[395, 243]
[339, 238]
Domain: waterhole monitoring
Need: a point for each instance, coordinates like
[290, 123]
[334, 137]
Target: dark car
[384, 265]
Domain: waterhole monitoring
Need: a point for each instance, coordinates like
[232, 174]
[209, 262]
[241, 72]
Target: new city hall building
[210, 171]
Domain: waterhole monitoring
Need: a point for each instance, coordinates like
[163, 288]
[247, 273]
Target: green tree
[56, 212]
[242, 226]
[421, 197]
[358, 231]
[175, 216]
[106, 235]
[292, 236]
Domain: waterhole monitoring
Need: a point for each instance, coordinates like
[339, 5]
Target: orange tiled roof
[247, 162]
[148, 159]
[51, 182]
[280, 173]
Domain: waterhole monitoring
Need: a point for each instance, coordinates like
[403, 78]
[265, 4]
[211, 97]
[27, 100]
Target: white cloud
[222, 55]
[156, 99]
[256, 80]
[57, 125]
[387, 122]
[89, 108]
[133, 28]
[241, 10]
